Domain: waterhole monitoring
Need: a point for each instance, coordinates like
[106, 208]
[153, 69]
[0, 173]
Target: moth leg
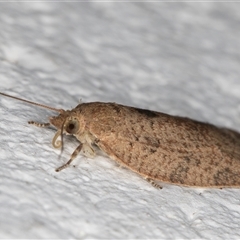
[88, 151]
[39, 124]
[74, 154]
[153, 183]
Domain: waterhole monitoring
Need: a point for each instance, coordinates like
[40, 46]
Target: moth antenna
[33, 103]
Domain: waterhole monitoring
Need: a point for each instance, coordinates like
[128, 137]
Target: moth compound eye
[72, 126]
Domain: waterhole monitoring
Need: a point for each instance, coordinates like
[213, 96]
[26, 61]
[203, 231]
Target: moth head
[58, 121]
[67, 123]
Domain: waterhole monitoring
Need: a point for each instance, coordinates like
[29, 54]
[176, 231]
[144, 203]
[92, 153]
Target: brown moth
[155, 145]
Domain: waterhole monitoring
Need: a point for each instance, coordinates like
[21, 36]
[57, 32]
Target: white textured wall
[179, 58]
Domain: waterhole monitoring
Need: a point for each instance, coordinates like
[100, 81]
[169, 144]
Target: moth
[158, 146]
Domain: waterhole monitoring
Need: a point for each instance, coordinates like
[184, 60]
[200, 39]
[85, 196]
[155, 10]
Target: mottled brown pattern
[171, 149]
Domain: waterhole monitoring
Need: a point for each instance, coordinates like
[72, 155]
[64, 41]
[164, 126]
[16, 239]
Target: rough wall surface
[179, 58]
